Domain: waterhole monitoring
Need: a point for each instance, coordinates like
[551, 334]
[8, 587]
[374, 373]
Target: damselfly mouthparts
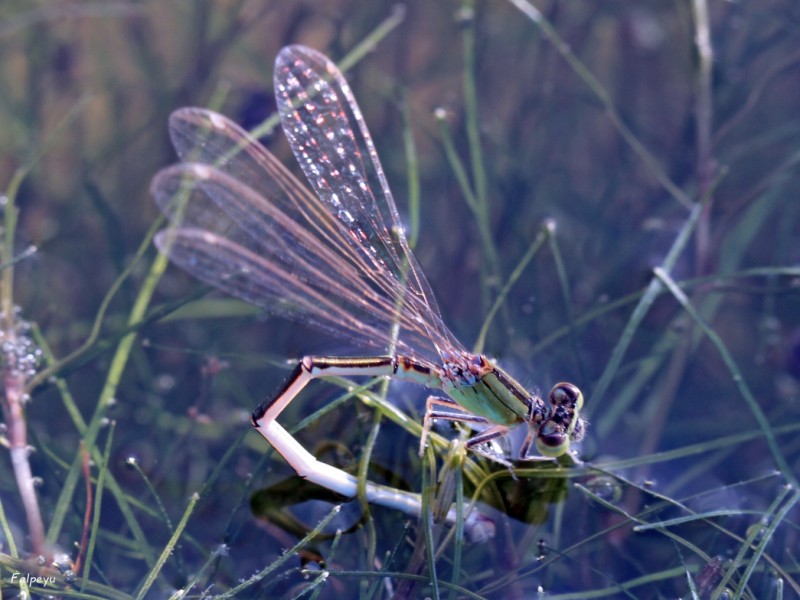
[338, 260]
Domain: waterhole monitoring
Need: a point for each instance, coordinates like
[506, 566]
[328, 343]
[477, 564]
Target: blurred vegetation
[622, 127]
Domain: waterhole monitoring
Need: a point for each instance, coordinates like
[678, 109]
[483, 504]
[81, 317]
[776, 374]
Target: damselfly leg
[308, 467]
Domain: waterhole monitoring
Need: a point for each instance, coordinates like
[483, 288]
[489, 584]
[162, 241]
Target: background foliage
[610, 127]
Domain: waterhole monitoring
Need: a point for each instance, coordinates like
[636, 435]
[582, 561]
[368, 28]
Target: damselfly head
[563, 423]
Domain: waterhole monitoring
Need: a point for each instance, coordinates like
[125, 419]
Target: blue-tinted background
[614, 157]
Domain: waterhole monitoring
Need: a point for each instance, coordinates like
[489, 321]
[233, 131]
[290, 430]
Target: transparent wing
[330, 140]
[247, 226]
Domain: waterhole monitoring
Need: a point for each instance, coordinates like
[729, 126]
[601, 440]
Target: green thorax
[485, 390]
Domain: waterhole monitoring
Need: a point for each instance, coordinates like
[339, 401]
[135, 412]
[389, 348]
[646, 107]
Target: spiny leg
[476, 442]
[457, 414]
[479, 444]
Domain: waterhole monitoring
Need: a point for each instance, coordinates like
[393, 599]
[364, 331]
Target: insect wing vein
[327, 133]
[283, 251]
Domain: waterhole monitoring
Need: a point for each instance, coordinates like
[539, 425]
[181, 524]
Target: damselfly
[336, 259]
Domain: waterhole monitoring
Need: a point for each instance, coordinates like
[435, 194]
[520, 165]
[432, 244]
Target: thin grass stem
[472, 123]
[767, 534]
[94, 333]
[169, 548]
[234, 591]
[426, 520]
[106, 399]
[653, 290]
[7, 533]
[363, 477]
[736, 374]
[99, 489]
[513, 278]
[562, 47]
[412, 175]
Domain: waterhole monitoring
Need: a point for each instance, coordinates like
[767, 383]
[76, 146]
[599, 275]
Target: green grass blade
[645, 302]
[169, 548]
[235, 591]
[736, 374]
[98, 503]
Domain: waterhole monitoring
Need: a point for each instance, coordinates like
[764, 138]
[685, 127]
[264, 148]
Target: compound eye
[566, 394]
[551, 441]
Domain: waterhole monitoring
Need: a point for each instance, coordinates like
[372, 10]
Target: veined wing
[247, 226]
[330, 140]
